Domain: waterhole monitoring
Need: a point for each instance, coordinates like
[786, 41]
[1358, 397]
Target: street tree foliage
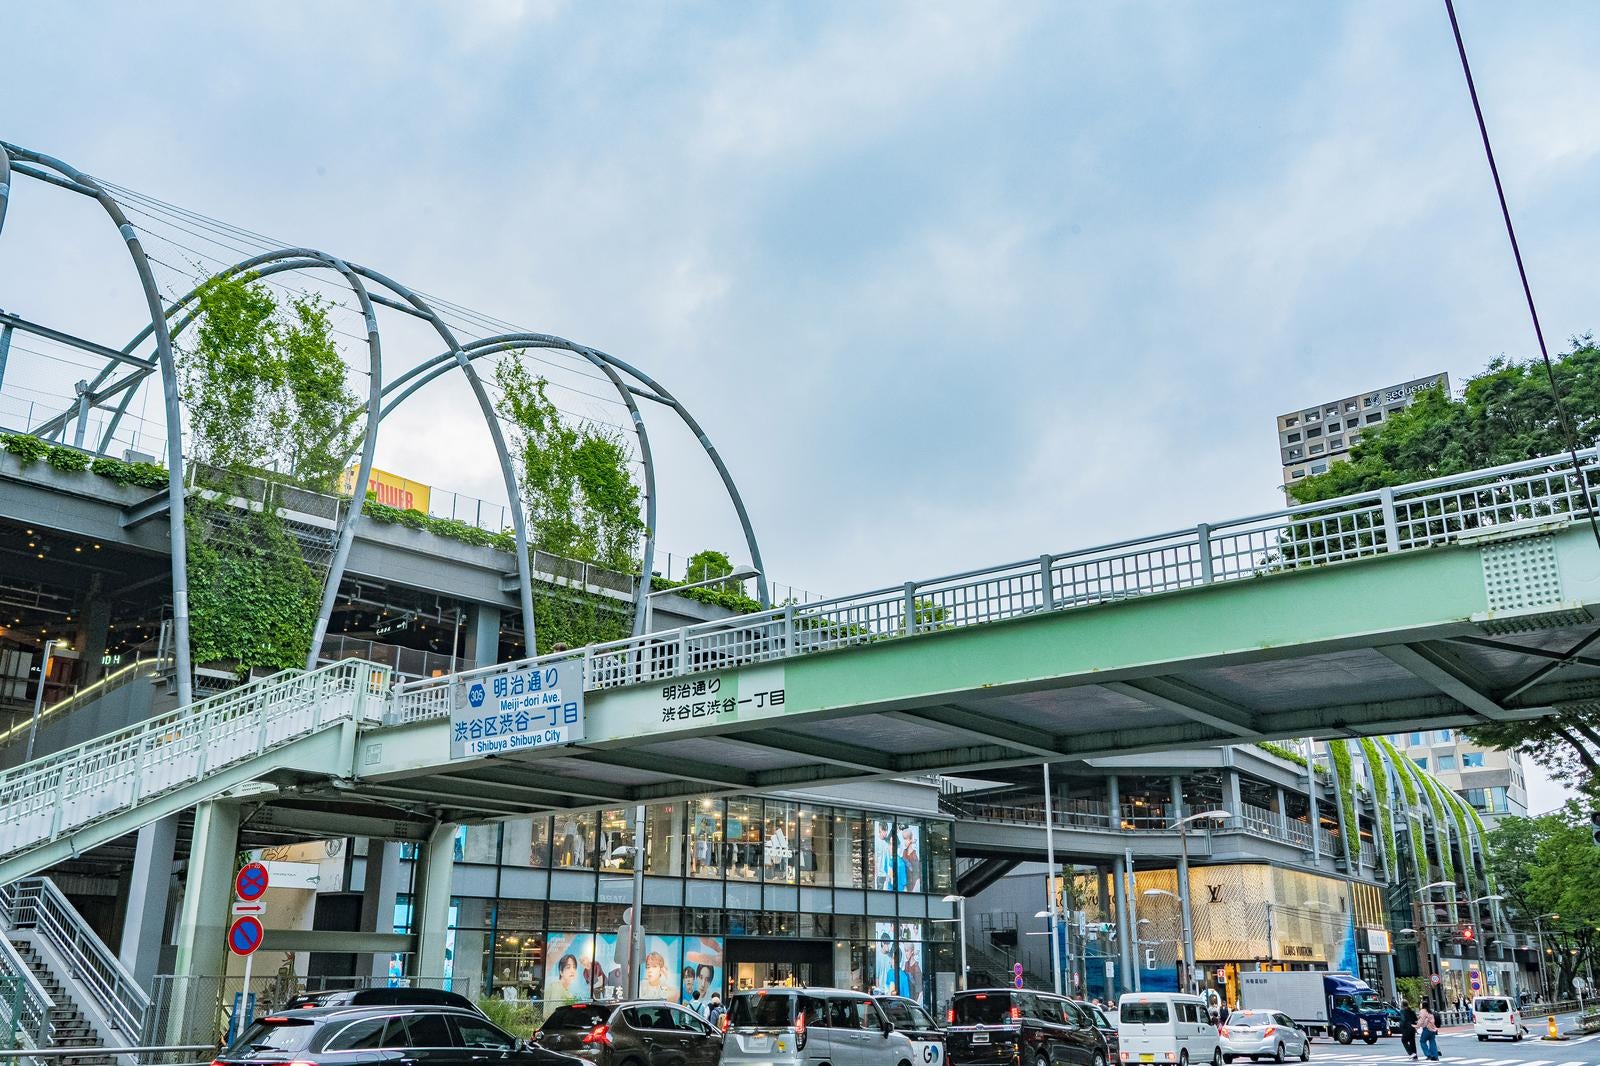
[577, 487]
[1504, 415]
[1549, 865]
[709, 564]
[265, 390]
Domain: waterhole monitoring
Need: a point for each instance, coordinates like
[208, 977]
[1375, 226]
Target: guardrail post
[1391, 524]
[1047, 581]
[1202, 535]
[683, 652]
[788, 629]
[910, 608]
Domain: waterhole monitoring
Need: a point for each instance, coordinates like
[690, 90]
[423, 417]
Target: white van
[1167, 1027]
[1496, 1016]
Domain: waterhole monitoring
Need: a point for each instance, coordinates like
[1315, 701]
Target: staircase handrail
[36, 903]
[42, 800]
[33, 1023]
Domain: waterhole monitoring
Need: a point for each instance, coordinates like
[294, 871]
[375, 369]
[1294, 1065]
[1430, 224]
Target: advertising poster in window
[702, 957]
[608, 976]
[911, 958]
[888, 978]
[660, 977]
[703, 840]
[908, 859]
[883, 858]
[569, 968]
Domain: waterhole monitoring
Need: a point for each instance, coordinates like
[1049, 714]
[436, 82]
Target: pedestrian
[1408, 1029]
[1428, 1026]
[714, 1010]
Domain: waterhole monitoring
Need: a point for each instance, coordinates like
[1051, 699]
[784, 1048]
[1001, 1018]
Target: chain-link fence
[214, 1010]
[10, 1011]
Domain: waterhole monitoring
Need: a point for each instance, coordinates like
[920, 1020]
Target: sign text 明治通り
[516, 709]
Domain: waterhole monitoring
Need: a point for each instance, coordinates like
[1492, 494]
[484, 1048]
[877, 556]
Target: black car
[391, 1036]
[380, 997]
[632, 1033]
[1005, 1026]
[911, 1018]
[1108, 1028]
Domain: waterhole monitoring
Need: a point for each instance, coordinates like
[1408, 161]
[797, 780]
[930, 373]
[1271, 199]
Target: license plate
[1147, 1057]
[980, 1038]
[761, 1043]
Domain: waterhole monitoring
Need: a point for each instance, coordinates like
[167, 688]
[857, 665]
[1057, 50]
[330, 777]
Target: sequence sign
[708, 699]
[517, 709]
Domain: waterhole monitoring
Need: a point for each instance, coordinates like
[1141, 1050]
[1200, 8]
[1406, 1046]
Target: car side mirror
[887, 1026]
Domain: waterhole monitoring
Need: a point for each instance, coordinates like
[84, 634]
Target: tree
[580, 496]
[1504, 415]
[708, 564]
[1548, 865]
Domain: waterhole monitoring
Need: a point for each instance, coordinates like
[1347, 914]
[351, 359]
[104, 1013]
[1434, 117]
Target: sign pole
[245, 1004]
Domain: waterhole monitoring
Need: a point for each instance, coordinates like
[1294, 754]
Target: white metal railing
[36, 903]
[1421, 515]
[1299, 833]
[30, 1024]
[70, 790]
[1262, 822]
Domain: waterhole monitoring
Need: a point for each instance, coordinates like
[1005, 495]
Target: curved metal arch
[491, 346]
[301, 258]
[174, 419]
[5, 184]
[546, 340]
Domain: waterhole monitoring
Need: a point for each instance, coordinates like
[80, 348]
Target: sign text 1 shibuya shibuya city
[517, 709]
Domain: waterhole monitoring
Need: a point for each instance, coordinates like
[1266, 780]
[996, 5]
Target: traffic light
[1468, 934]
[1594, 826]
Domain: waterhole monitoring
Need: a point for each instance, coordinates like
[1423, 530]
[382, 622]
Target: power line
[1522, 272]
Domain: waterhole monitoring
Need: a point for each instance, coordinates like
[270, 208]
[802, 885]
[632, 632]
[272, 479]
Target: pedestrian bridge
[1465, 600]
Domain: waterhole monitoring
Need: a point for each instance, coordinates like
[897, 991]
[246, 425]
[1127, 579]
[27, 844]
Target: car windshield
[903, 1014]
[577, 1016]
[983, 1008]
[761, 1010]
[1370, 1002]
[276, 1034]
[1493, 1006]
[1249, 1017]
[1144, 1013]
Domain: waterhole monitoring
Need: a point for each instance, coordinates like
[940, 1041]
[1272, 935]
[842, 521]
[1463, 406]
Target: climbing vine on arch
[264, 388]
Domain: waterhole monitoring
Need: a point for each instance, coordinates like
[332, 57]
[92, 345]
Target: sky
[946, 285]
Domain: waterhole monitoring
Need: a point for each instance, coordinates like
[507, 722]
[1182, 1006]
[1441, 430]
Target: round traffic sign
[251, 882]
[244, 935]
[1016, 968]
[1434, 978]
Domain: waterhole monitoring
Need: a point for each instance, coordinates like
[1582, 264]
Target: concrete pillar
[1177, 800]
[1130, 913]
[1280, 807]
[1311, 797]
[483, 635]
[1390, 989]
[383, 882]
[430, 900]
[1232, 798]
[203, 922]
[149, 890]
[1114, 801]
[1126, 932]
[92, 630]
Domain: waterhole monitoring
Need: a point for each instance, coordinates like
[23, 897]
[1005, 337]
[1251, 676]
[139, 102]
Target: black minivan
[1006, 1026]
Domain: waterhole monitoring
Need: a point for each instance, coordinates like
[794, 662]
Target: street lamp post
[1182, 827]
[1050, 882]
[961, 924]
[1427, 926]
[38, 696]
[743, 573]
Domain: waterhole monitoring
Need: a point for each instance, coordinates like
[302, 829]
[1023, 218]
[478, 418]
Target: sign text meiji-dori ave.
[517, 709]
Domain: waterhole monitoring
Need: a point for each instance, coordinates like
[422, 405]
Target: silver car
[1263, 1034]
[811, 1027]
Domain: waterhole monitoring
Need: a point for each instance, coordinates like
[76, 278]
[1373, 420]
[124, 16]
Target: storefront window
[517, 963]
[778, 836]
[909, 872]
[742, 832]
[940, 877]
[663, 835]
[572, 843]
[616, 839]
[705, 838]
[849, 849]
[814, 853]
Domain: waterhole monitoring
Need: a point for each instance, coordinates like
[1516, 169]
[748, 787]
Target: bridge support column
[483, 635]
[1114, 803]
[1280, 807]
[1232, 799]
[203, 923]
[1130, 915]
[430, 903]
[380, 890]
[149, 893]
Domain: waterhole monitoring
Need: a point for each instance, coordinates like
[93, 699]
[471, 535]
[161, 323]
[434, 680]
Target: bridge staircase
[290, 727]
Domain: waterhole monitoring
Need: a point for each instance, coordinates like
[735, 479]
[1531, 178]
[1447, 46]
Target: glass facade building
[737, 893]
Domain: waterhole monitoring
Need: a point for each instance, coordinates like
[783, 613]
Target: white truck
[1335, 1004]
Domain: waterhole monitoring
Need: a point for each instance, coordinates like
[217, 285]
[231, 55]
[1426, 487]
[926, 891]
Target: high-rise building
[1312, 438]
[1490, 780]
